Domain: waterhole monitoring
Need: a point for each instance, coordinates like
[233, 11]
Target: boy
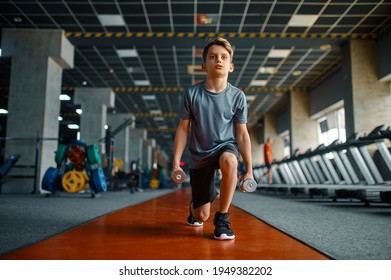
[217, 114]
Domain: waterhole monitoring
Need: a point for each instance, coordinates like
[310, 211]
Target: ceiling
[149, 51]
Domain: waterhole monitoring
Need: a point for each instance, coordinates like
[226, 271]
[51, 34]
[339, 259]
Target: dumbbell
[248, 185]
[178, 176]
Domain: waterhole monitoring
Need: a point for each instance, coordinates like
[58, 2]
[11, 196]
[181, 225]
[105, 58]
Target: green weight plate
[61, 153]
[93, 154]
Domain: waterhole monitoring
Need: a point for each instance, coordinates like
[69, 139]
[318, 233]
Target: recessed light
[296, 73]
[17, 19]
[267, 70]
[279, 53]
[73, 126]
[148, 97]
[84, 83]
[250, 98]
[142, 83]
[258, 83]
[127, 53]
[302, 20]
[65, 97]
[111, 20]
[195, 70]
[325, 47]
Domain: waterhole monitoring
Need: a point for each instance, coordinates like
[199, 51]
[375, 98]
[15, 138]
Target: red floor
[157, 230]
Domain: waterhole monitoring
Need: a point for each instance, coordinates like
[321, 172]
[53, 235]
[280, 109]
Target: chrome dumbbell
[248, 185]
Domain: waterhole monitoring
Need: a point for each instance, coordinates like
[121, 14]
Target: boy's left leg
[228, 166]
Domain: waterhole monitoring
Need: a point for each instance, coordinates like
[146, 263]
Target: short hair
[219, 42]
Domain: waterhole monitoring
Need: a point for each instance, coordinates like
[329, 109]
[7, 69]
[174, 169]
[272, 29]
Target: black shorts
[202, 179]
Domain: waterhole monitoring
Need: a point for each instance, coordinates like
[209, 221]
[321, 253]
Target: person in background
[268, 158]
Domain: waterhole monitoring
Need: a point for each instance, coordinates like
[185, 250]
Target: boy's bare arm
[244, 144]
[180, 142]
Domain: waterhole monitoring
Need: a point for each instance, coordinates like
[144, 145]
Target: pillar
[94, 103]
[271, 130]
[121, 147]
[303, 130]
[136, 141]
[38, 59]
[367, 99]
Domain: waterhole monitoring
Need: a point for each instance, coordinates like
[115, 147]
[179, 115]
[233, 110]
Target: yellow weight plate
[118, 162]
[73, 181]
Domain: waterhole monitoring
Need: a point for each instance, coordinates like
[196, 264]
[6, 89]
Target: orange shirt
[268, 153]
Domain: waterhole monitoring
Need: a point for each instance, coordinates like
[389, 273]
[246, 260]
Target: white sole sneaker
[224, 237]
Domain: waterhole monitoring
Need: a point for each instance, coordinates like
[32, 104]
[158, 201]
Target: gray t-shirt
[212, 117]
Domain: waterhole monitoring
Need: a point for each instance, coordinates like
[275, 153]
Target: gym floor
[156, 229]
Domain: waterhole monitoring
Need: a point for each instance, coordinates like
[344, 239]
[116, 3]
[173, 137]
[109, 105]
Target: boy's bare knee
[228, 161]
[201, 215]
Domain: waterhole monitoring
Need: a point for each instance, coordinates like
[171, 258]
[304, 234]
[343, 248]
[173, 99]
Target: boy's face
[218, 62]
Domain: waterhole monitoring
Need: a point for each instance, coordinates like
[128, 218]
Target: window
[332, 127]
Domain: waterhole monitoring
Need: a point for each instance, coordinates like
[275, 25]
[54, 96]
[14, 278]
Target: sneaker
[222, 227]
[191, 221]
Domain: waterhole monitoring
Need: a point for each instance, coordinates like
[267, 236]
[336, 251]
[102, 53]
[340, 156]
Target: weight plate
[93, 154]
[248, 185]
[60, 153]
[118, 162]
[178, 176]
[154, 183]
[49, 179]
[73, 181]
[99, 180]
[76, 156]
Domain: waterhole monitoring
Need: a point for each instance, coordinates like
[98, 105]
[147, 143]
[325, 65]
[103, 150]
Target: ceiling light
[267, 70]
[142, 83]
[3, 111]
[195, 70]
[127, 53]
[73, 126]
[148, 97]
[60, 118]
[17, 19]
[65, 97]
[296, 73]
[79, 111]
[84, 83]
[258, 83]
[279, 53]
[325, 47]
[0, 52]
[111, 20]
[134, 69]
[250, 98]
[302, 20]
